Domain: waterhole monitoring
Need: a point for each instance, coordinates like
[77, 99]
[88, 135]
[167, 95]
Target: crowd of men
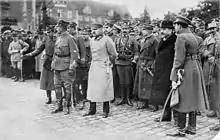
[145, 60]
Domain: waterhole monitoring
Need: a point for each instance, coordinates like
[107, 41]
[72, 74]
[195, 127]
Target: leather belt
[193, 56]
[62, 55]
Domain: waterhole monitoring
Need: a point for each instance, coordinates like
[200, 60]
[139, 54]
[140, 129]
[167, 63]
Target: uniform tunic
[212, 45]
[100, 81]
[193, 96]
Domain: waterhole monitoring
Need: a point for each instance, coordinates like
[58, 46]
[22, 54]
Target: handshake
[25, 56]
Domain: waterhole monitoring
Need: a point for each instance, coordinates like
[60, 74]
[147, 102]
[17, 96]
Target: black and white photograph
[109, 69]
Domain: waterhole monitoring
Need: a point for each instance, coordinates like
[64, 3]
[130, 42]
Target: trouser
[92, 107]
[191, 122]
[17, 69]
[125, 74]
[81, 80]
[63, 78]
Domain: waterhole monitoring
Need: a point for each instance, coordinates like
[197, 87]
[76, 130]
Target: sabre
[180, 78]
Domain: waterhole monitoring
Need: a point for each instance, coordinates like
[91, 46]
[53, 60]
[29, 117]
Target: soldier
[100, 81]
[192, 93]
[47, 75]
[127, 49]
[212, 71]
[64, 64]
[112, 31]
[143, 79]
[78, 94]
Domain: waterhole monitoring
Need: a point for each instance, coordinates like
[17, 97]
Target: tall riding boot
[123, 94]
[49, 97]
[68, 101]
[59, 106]
[128, 90]
[191, 129]
[181, 126]
[58, 91]
[175, 117]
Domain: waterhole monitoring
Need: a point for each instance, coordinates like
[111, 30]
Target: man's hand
[26, 56]
[174, 85]
[83, 60]
[211, 59]
[71, 72]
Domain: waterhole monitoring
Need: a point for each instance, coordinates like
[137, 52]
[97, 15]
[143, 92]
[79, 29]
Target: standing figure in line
[100, 81]
[192, 91]
[65, 57]
[127, 49]
[144, 76]
[79, 95]
[161, 84]
[47, 75]
[16, 48]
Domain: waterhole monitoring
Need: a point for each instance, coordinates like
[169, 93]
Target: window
[59, 13]
[70, 15]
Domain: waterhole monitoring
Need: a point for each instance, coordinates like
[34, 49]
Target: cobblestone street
[24, 116]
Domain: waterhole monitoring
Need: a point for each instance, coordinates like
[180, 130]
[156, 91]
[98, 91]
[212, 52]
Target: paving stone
[24, 116]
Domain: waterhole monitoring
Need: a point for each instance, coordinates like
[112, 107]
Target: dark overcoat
[162, 69]
[47, 76]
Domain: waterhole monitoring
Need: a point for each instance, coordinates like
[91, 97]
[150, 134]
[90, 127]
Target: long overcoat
[143, 79]
[47, 76]
[162, 69]
[100, 80]
[212, 45]
[192, 91]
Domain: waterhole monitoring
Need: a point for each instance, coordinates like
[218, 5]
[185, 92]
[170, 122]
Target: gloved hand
[211, 59]
[71, 72]
[174, 85]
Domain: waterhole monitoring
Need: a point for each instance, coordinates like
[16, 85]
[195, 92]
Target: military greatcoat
[192, 91]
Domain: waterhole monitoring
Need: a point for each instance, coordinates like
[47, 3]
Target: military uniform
[127, 49]
[65, 58]
[47, 75]
[192, 93]
[143, 79]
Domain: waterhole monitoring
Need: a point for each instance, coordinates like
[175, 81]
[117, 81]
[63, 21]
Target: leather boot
[59, 106]
[176, 118]
[122, 92]
[191, 129]
[68, 101]
[49, 97]
[128, 89]
[181, 125]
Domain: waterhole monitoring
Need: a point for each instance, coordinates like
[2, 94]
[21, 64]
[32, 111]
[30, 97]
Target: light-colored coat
[193, 96]
[100, 81]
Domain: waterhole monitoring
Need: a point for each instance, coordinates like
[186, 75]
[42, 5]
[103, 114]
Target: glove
[83, 61]
[174, 85]
[211, 59]
[71, 72]
[25, 56]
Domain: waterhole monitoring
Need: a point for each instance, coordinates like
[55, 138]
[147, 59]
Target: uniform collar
[186, 30]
